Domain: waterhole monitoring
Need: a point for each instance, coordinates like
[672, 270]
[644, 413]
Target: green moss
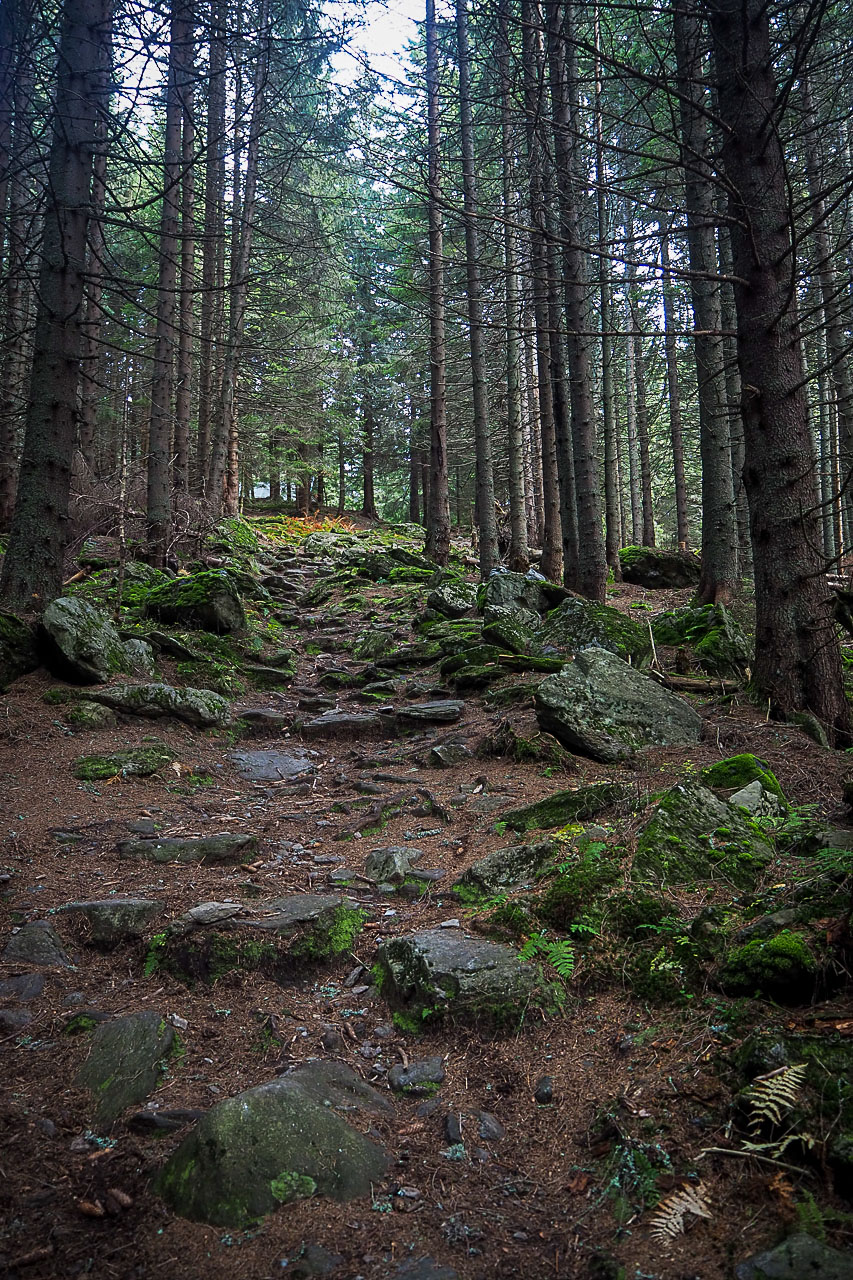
[290, 1186]
[782, 967]
[326, 941]
[578, 885]
[80, 1024]
[635, 914]
[568, 806]
[738, 771]
[59, 694]
[138, 762]
[407, 1023]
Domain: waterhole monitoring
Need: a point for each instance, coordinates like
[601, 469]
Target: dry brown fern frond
[773, 1095]
[671, 1216]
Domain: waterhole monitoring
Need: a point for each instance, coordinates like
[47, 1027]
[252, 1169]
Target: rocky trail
[360, 922]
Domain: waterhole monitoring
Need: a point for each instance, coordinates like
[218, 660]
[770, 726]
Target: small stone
[14, 1020]
[424, 1269]
[332, 1040]
[46, 1126]
[391, 865]
[443, 711]
[489, 1127]
[419, 1079]
[544, 1091]
[453, 1127]
[23, 988]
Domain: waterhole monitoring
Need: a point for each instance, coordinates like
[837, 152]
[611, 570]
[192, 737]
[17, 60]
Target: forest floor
[550, 1198]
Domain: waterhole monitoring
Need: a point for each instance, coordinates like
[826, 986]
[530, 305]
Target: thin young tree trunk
[797, 658]
[159, 504]
[719, 529]
[438, 505]
[33, 566]
[676, 431]
[633, 444]
[489, 555]
[368, 417]
[87, 432]
[342, 475]
[183, 371]
[414, 470]
[612, 506]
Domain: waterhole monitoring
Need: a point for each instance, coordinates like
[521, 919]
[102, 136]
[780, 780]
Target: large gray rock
[505, 869]
[652, 568]
[17, 649]
[272, 765]
[201, 708]
[599, 706]
[343, 724]
[694, 836]
[444, 711]
[126, 1060]
[79, 643]
[453, 598]
[278, 1142]
[392, 864]
[36, 943]
[228, 846]
[511, 630]
[577, 624]
[800, 1257]
[440, 971]
[111, 921]
[207, 600]
[514, 591]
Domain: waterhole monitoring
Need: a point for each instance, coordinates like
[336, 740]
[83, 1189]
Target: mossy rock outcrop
[442, 972]
[209, 601]
[134, 762]
[653, 568]
[18, 653]
[576, 624]
[276, 1143]
[782, 968]
[717, 640]
[694, 836]
[599, 706]
[569, 806]
[511, 630]
[453, 598]
[527, 591]
[737, 772]
[507, 868]
[126, 1061]
[228, 846]
[79, 643]
[201, 708]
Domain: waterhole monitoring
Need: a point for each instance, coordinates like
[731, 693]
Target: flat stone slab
[126, 1061]
[444, 971]
[23, 988]
[505, 868]
[201, 708]
[258, 722]
[272, 765]
[225, 847]
[109, 922]
[602, 707]
[344, 724]
[418, 1079]
[443, 711]
[37, 943]
[281, 1141]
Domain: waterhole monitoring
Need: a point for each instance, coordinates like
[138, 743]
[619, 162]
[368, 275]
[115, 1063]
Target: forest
[426, 639]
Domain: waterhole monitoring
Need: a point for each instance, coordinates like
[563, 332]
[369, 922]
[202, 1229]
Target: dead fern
[773, 1095]
[673, 1214]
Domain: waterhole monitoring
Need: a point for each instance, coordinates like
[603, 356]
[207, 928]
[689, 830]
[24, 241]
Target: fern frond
[773, 1095]
[561, 955]
[670, 1217]
[533, 946]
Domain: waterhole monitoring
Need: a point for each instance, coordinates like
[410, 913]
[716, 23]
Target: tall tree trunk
[641, 418]
[719, 531]
[634, 490]
[159, 506]
[32, 569]
[414, 469]
[612, 505]
[728, 319]
[368, 417]
[438, 505]
[90, 390]
[797, 658]
[489, 556]
[183, 370]
[676, 431]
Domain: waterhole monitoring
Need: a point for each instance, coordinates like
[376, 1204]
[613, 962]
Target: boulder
[36, 943]
[209, 601]
[504, 869]
[134, 762]
[453, 599]
[800, 1257]
[511, 630]
[344, 724]
[201, 708]
[569, 806]
[650, 567]
[109, 922]
[139, 657]
[736, 772]
[577, 624]
[229, 846]
[17, 649]
[758, 801]
[418, 1079]
[444, 711]
[272, 765]
[520, 590]
[79, 643]
[717, 640]
[276, 1143]
[392, 864]
[782, 968]
[444, 971]
[126, 1061]
[85, 714]
[599, 706]
[694, 836]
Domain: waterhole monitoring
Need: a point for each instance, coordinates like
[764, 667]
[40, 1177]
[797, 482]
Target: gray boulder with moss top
[453, 598]
[209, 601]
[111, 921]
[201, 708]
[599, 706]
[133, 762]
[577, 624]
[693, 836]
[504, 869]
[227, 846]
[443, 971]
[570, 806]
[276, 1143]
[126, 1060]
[79, 643]
[653, 568]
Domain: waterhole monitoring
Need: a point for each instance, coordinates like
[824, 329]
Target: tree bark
[438, 505]
[183, 370]
[676, 429]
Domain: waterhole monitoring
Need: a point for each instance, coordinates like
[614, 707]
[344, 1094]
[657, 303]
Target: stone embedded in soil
[758, 801]
[602, 707]
[112, 921]
[86, 714]
[126, 1061]
[36, 943]
[392, 864]
[543, 1093]
[133, 762]
[418, 1079]
[569, 806]
[446, 755]
[278, 1142]
[424, 1269]
[272, 765]
[228, 846]
[694, 836]
[505, 869]
[258, 722]
[169, 1121]
[79, 643]
[442, 711]
[441, 971]
[800, 1257]
[201, 708]
[453, 599]
[344, 724]
[22, 988]
[14, 1020]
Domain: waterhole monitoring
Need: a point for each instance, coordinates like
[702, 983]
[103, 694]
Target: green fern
[560, 954]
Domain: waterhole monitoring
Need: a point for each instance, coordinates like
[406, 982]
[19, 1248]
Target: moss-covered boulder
[133, 762]
[783, 968]
[511, 630]
[506, 868]
[453, 598]
[441, 972]
[717, 640]
[214, 939]
[694, 836]
[279, 1142]
[108, 922]
[228, 846]
[511, 591]
[78, 642]
[576, 624]
[599, 706]
[569, 806]
[18, 653]
[127, 1058]
[479, 655]
[201, 708]
[85, 714]
[586, 869]
[209, 601]
[736, 772]
[653, 568]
